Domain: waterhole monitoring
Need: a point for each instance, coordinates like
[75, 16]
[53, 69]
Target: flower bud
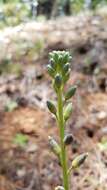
[59, 188]
[58, 81]
[54, 55]
[66, 76]
[68, 139]
[51, 107]
[60, 60]
[66, 57]
[66, 68]
[53, 64]
[79, 160]
[54, 146]
[68, 110]
[70, 92]
[51, 71]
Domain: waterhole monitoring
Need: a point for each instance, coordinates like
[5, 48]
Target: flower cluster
[59, 70]
[59, 67]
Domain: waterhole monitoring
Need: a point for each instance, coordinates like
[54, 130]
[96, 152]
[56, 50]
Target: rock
[21, 172]
[101, 115]
[31, 147]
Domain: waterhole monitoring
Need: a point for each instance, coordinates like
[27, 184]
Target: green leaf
[11, 106]
[20, 139]
[103, 144]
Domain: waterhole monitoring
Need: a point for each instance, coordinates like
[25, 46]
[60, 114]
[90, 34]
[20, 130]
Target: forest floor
[26, 161]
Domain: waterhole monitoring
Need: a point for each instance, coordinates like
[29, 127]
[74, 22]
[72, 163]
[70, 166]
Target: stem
[62, 133]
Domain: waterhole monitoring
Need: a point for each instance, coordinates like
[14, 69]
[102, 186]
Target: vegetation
[14, 12]
[20, 140]
[59, 70]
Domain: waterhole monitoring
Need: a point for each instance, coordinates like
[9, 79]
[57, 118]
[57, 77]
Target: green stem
[62, 133]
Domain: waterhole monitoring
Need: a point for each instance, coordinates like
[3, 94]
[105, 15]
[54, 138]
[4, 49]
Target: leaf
[103, 144]
[20, 139]
[11, 106]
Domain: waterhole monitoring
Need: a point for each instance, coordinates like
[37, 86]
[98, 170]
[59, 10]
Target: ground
[33, 165]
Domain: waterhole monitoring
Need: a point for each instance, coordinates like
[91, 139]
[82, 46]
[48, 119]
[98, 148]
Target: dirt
[34, 166]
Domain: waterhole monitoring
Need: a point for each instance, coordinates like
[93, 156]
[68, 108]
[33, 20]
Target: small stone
[31, 148]
[59, 188]
[101, 115]
[21, 172]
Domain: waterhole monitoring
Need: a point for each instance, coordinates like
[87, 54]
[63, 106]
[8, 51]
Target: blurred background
[14, 12]
[29, 30]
